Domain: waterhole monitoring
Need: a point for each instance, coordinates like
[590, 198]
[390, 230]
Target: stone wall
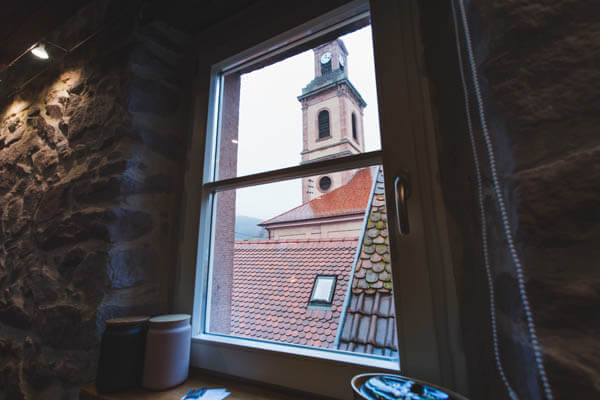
[90, 177]
[544, 83]
[538, 65]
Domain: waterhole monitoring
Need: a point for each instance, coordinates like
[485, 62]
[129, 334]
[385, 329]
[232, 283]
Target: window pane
[270, 115]
[282, 264]
[324, 286]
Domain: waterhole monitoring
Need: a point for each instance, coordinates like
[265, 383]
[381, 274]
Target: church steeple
[332, 115]
[330, 57]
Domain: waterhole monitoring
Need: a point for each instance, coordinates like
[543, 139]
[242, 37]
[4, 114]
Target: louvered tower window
[354, 134]
[323, 124]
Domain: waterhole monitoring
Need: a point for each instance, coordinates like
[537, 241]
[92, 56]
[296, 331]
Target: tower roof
[328, 81]
[351, 198]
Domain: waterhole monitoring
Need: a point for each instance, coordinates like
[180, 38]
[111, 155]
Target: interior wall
[538, 71]
[90, 181]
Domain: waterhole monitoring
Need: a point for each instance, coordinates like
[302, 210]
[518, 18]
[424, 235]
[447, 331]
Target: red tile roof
[272, 285]
[351, 198]
[369, 323]
[370, 326]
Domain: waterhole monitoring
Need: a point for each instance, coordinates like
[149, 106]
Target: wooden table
[239, 390]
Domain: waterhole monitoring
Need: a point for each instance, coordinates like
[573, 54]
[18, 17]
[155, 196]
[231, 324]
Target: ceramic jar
[121, 354]
[167, 359]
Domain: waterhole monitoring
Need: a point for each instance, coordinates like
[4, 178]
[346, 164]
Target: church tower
[332, 118]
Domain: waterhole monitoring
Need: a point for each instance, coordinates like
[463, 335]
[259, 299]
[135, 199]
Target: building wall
[342, 229]
[90, 183]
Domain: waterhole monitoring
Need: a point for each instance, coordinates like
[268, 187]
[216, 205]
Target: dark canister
[122, 348]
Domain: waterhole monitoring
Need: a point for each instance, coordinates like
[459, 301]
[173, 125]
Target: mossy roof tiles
[369, 323]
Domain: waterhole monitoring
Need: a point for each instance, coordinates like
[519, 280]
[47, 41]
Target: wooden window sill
[240, 390]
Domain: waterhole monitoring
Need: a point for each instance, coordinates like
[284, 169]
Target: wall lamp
[39, 50]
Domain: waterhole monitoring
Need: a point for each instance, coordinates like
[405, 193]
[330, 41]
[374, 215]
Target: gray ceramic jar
[167, 359]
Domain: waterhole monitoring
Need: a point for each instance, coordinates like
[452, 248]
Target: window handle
[401, 193]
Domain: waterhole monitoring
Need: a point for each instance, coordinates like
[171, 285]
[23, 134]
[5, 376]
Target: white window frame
[320, 371]
[313, 302]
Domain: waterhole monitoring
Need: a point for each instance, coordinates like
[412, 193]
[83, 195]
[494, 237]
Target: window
[354, 134]
[323, 291]
[325, 183]
[324, 124]
[426, 315]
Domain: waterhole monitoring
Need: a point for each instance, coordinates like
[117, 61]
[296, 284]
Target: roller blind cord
[503, 213]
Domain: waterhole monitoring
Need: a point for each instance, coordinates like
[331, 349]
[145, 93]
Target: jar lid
[127, 321]
[169, 319]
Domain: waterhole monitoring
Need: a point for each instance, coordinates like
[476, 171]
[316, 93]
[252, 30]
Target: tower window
[324, 124]
[354, 134]
[324, 183]
[325, 68]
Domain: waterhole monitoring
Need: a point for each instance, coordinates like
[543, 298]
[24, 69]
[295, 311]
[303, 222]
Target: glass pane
[271, 242]
[323, 288]
[295, 111]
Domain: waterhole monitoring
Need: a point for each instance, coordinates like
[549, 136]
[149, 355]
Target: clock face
[325, 58]
[341, 60]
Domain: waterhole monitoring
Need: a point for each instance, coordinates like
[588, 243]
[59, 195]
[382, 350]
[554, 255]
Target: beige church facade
[333, 204]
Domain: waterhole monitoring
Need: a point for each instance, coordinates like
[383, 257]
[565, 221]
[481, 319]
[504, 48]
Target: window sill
[239, 389]
[319, 371]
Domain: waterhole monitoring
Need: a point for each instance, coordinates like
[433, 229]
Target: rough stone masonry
[90, 169]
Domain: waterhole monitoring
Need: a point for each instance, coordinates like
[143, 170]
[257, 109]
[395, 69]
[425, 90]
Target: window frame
[218, 352]
[318, 304]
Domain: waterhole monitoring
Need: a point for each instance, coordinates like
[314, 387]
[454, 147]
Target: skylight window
[323, 290]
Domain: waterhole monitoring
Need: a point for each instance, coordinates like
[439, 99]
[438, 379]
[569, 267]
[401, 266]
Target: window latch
[401, 194]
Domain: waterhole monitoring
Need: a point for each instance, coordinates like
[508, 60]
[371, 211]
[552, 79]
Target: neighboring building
[332, 118]
[339, 213]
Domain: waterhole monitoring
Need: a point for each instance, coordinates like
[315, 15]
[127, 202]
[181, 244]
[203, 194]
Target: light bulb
[40, 52]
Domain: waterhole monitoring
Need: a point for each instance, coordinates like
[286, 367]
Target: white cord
[504, 215]
[484, 237]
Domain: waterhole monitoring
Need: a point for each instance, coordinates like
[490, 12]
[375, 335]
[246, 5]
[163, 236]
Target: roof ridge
[324, 196]
[342, 239]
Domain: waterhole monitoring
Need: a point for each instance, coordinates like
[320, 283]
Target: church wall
[327, 101]
[346, 229]
[91, 165]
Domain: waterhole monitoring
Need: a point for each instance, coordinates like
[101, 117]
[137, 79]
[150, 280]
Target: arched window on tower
[354, 133]
[324, 124]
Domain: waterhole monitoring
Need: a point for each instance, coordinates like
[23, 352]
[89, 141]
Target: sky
[270, 123]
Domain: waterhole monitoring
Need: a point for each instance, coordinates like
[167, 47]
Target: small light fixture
[234, 141]
[40, 51]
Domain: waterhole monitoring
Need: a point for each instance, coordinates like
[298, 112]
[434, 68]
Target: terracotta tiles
[351, 198]
[272, 284]
[369, 326]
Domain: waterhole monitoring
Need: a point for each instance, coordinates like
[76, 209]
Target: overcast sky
[270, 126]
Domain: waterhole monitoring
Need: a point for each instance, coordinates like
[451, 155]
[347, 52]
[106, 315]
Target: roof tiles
[351, 198]
[272, 284]
[369, 326]
[374, 270]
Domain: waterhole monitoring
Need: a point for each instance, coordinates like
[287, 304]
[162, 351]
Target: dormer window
[324, 124]
[323, 290]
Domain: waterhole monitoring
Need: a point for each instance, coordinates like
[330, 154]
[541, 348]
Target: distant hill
[246, 228]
